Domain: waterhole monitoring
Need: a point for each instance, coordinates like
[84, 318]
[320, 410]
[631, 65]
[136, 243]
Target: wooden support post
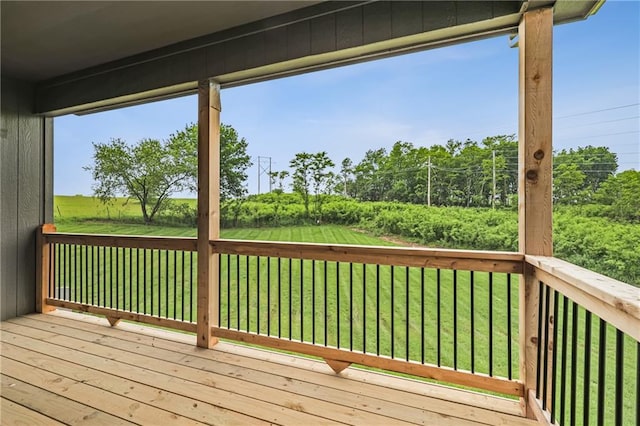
[44, 261]
[208, 209]
[534, 175]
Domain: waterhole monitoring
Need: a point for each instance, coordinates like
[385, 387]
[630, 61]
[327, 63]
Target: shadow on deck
[74, 368]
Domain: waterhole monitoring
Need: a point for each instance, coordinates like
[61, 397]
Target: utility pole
[263, 168]
[493, 192]
[429, 182]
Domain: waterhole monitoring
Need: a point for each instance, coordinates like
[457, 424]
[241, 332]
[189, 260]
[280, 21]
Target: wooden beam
[124, 241]
[43, 268]
[429, 371]
[113, 314]
[208, 209]
[336, 365]
[534, 174]
[398, 256]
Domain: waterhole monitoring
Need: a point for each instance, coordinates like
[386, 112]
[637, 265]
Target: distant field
[78, 207]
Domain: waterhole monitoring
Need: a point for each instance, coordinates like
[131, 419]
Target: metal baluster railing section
[589, 373]
[460, 319]
[155, 282]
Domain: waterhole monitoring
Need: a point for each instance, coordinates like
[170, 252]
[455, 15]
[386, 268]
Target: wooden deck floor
[65, 368]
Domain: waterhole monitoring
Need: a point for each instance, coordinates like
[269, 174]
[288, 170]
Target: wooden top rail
[123, 241]
[612, 300]
[488, 261]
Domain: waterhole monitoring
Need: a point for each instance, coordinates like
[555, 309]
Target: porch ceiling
[87, 56]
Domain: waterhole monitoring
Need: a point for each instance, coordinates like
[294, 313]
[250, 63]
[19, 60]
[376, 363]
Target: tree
[596, 163]
[346, 171]
[568, 184]
[302, 176]
[321, 179]
[150, 172]
[234, 160]
[621, 193]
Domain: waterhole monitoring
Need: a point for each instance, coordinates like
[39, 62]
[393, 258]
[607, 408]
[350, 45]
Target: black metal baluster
[269, 296]
[364, 308]
[290, 299]
[247, 296]
[228, 291]
[455, 320]
[103, 291]
[601, 370]
[539, 336]
[166, 283]
[111, 268]
[438, 290]
[491, 324]
[175, 284]
[509, 356]
[238, 292]
[563, 383]
[574, 361]
[325, 302]
[351, 306]
[587, 366]
[338, 305]
[554, 351]
[258, 295]
[151, 283]
[301, 300]
[144, 281]
[377, 309]
[392, 311]
[131, 279]
[619, 376]
[83, 267]
[182, 289]
[117, 277]
[313, 301]
[545, 347]
[191, 295]
[472, 318]
[279, 298]
[406, 331]
[67, 260]
[422, 308]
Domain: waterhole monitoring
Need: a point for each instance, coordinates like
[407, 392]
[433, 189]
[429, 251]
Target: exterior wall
[26, 194]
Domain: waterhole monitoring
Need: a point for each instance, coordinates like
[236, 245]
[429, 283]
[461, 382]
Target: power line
[598, 110]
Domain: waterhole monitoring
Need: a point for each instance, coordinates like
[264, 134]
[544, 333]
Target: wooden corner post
[534, 175]
[208, 209]
[44, 263]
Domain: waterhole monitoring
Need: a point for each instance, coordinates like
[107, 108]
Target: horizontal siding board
[471, 11]
[276, 45]
[9, 203]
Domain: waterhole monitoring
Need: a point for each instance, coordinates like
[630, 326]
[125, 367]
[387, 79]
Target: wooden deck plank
[407, 392]
[332, 388]
[204, 389]
[383, 411]
[49, 404]
[90, 396]
[165, 371]
[190, 408]
[12, 414]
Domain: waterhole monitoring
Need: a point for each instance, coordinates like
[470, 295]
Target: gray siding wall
[26, 193]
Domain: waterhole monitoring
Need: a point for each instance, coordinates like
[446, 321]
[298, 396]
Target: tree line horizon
[457, 174]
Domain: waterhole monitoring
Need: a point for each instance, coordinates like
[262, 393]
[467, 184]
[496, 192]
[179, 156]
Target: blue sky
[457, 92]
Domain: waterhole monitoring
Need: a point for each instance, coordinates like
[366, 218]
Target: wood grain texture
[535, 153]
[123, 241]
[156, 369]
[478, 381]
[43, 268]
[615, 302]
[398, 256]
[208, 209]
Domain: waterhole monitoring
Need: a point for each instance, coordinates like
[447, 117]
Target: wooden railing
[588, 358]
[450, 315]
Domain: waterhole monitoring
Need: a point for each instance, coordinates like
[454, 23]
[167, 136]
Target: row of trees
[467, 174]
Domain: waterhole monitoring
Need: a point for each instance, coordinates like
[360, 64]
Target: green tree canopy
[152, 170]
